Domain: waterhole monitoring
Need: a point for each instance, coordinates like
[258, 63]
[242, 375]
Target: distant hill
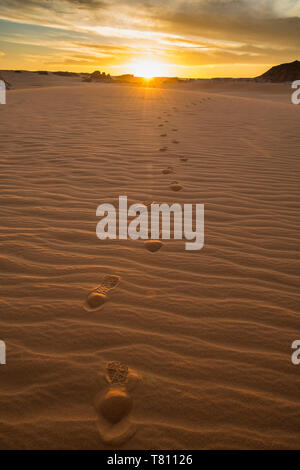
[282, 73]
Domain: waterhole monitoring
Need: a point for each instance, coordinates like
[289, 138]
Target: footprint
[174, 130]
[113, 407]
[183, 159]
[167, 171]
[163, 135]
[163, 149]
[175, 186]
[148, 203]
[97, 298]
[175, 141]
[160, 125]
[153, 245]
[116, 372]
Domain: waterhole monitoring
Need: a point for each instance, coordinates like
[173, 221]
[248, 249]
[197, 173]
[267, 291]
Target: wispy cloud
[185, 32]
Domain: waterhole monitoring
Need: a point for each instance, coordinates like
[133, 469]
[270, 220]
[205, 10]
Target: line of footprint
[114, 405]
[155, 245]
[174, 185]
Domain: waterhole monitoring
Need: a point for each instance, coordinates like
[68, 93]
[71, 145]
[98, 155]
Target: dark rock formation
[100, 77]
[282, 73]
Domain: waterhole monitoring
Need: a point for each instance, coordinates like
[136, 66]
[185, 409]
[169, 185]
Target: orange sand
[209, 333]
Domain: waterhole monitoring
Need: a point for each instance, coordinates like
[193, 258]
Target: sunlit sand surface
[208, 333]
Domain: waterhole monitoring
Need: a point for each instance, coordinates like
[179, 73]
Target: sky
[184, 38]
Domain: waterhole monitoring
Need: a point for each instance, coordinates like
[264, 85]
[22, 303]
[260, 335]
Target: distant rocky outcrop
[282, 73]
[97, 77]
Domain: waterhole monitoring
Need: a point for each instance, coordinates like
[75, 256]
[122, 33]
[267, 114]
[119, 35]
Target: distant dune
[242, 87]
[284, 73]
[26, 79]
[21, 79]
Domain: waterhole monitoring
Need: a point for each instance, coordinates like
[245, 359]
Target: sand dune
[22, 79]
[207, 335]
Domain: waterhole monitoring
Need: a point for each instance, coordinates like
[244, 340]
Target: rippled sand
[208, 333]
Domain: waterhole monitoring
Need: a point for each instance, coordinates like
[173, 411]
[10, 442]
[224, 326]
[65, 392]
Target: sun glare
[148, 69]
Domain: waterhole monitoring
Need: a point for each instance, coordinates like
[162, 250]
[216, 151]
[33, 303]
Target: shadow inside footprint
[114, 406]
[175, 186]
[97, 298]
[153, 245]
[168, 171]
[148, 203]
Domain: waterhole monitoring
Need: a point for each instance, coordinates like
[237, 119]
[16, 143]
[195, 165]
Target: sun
[148, 69]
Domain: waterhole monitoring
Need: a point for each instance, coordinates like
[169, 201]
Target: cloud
[190, 32]
[242, 20]
[234, 20]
